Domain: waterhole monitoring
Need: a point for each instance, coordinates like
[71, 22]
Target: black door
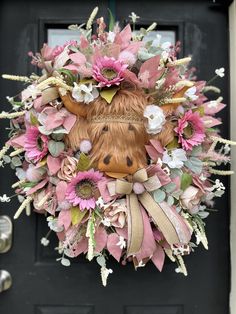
[40, 284]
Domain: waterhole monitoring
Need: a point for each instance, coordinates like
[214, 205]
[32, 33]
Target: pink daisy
[108, 71]
[190, 130]
[81, 190]
[36, 144]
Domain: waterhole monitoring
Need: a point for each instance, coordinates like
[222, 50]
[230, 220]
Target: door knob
[5, 234]
[5, 280]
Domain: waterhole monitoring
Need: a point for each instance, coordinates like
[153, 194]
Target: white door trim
[232, 34]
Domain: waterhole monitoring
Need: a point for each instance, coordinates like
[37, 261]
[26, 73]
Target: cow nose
[114, 164]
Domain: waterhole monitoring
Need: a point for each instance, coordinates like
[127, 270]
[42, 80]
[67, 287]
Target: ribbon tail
[160, 218]
[135, 225]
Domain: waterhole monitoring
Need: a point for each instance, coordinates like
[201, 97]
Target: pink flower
[190, 199]
[81, 190]
[36, 144]
[190, 130]
[58, 49]
[108, 71]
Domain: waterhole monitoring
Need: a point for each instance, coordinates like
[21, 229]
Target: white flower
[53, 224]
[134, 17]
[190, 93]
[106, 222]
[44, 241]
[160, 83]
[175, 158]
[156, 42]
[156, 119]
[121, 243]
[84, 93]
[111, 37]
[165, 55]
[166, 46]
[33, 91]
[5, 199]
[65, 261]
[220, 72]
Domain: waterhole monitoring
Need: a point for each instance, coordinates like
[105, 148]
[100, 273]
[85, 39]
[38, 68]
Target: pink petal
[123, 38]
[53, 164]
[134, 47]
[212, 110]
[61, 191]
[131, 77]
[112, 246]
[72, 67]
[158, 257]
[150, 66]
[157, 145]
[100, 239]
[64, 219]
[38, 104]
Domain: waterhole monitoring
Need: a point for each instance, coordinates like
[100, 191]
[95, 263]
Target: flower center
[85, 189]
[188, 131]
[39, 143]
[109, 73]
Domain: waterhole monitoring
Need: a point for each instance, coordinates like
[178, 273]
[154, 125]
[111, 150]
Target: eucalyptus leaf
[170, 187]
[55, 148]
[101, 260]
[194, 164]
[60, 130]
[170, 200]
[16, 161]
[6, 159]
[159, 196]
[65, 261]
[57, 137]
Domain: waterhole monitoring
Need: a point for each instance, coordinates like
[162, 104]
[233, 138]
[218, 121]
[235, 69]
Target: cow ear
[77, 108]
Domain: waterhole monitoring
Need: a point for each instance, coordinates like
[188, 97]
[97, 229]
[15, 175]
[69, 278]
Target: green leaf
[69, 76]
[55, 148]
[111, 20]
[186, 180]
[84, 162]
[33, 119]
[101, 260]
[173, 144]
[170, 200]
[109, 93]
[159, 196]
[76, 215]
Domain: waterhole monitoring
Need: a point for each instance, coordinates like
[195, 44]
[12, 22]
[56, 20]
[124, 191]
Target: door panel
[40, 284]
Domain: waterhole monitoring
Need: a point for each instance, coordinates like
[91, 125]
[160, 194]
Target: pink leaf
[37, 187]
[100, 239]
[38, 104]
[123, 38]
[153, 154]
[78, 58]
[149, 69]
[112, 246]
[211, 110]
[157, 145]
[72, 67]
[161, 174]
[18, 141]
[149, 244]
[131, 77]
[158, 257]
[134, 47]
[53, 164]
[61, 191]
[64, 219]
[81, 247]
[69, 122]
[123, 232]
[210, 122]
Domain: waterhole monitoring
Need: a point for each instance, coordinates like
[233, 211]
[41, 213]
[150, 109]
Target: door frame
[232, 47]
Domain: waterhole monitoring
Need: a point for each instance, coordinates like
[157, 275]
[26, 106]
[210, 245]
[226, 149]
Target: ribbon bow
[167, 220]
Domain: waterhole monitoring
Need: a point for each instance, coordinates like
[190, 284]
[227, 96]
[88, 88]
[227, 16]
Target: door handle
[5, 234]
[5, 280]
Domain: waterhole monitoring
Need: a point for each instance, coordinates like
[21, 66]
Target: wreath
[115, 144]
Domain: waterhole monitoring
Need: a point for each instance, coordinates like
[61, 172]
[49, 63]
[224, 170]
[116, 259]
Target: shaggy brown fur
[118, 146]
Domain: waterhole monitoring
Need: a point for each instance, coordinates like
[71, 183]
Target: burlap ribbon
[155, 210]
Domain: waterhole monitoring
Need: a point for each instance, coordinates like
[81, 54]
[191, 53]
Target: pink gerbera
[36, 144]
[190, 130]
[81, 190]
[108, 71]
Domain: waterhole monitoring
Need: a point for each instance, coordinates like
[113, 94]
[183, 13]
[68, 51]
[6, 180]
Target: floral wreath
[115, 143]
